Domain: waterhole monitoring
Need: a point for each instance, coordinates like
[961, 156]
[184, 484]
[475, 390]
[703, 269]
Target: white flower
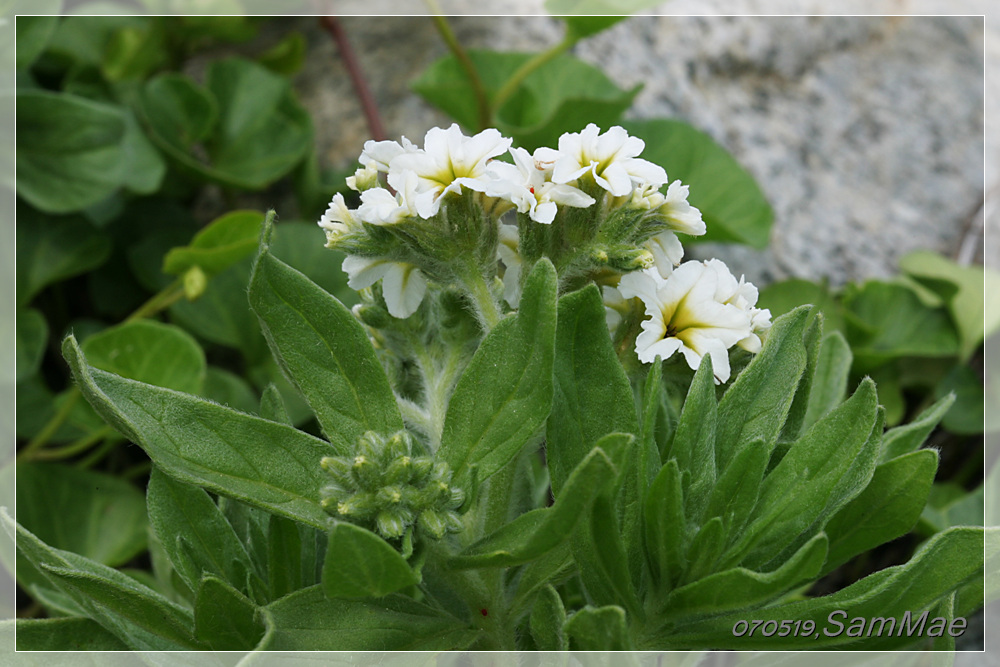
[338, 220]
[403, 285]
[526, 184]
[609, 157]
[448, 162]
[364, 178]
[667, 252]
[507, 250]
[686, 316]
[378, 154]
[743, 295]
[615, 306]
[679, 214]
[381, 207]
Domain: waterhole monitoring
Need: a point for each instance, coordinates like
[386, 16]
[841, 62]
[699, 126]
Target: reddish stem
[370, 108]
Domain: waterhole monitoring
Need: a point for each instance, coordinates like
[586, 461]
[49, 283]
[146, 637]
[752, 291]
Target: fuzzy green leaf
[739, 588]
[360, 564]
[224, 618]
[705, 550]
[284, 556]
[194, 533]
[324, 350]
[598, 629]
[735, 494]
[547, 619]
[800, 404]
[694, 440]
[888, 507]
[757, 403]
[609, 550]
[229, 389]
[830, 382]
[222, 243]
[665, 526]
[592, 393]
[943, 564]
[309, 621]
[265, 464]
[534, 533]
[731, 203]
[505, 393]
[64, 634]
[135, 614]
[909, 437]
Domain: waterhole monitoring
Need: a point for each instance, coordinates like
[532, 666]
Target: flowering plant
[540, 429]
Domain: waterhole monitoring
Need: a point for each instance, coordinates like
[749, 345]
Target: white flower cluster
[695, 308]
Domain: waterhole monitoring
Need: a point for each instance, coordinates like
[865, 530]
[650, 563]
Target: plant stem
[478, 89]
[50, 428]
[522, 73]
[353, 66]
[100, 453]
[162, 300]
[485, 305]
[75, 447]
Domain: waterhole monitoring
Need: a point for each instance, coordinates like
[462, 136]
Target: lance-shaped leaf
[946, 562]
[323, 349]
[888, 507]
[832, 461]
[547, 619]
[64, 634]
[224, 618]
[135, 614]
[255, 460]
[740, 588]
[812, 339]
[194, 533]
[534, 533]
[284, 556]
[908, 437]
[309, 621]
[705, 549]
[694, 440]
[592, 393]
[598, 629]
[735, 494]
[830, 382]
[665, 526]
[505, 393]
[756, 405]
[360, 564]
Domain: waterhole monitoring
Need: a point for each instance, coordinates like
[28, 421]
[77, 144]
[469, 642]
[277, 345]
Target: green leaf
[69, 150]
[665, 526]
[262, 463]
[592, 396]
[786, 295]
[964, 509]
[694, 440]
[254, 131]
[224, 618]
[31, 34]
[705, 549]
[757, 403]
[324, 350]
[302, 246]
[360, 564]
[598, 629]
[731, 203]
[740, 588]
[32, 336]
[895, 323]
[970, 292]
[135, 614]
[830, 382]
[547, 619]
[580, 27]
[222, 243]
[609, 549]
[839, 449]
[968, 414]
[150, 352]
[888, 507]
[944, 563]
[284, 556]
[134, 52]
[272, 406]
[534, 533]
[287, 56]
[143, 167]
[309, 621]
[195, 534]
[735, 494]
[229, 389]
[505, 393]
[800, 404]
[562, 95]
[64, 634]
[908, 437]
[50, 250]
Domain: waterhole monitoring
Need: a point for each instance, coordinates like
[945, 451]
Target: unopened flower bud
[195, 282]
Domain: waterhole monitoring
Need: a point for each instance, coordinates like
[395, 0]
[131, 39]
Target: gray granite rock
[866, 133]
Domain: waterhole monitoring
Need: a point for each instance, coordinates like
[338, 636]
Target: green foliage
[360, 564]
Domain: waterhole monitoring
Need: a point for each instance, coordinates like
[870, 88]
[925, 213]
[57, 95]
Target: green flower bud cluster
[385, 488]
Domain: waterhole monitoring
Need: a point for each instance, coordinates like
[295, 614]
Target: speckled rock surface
[866, 133]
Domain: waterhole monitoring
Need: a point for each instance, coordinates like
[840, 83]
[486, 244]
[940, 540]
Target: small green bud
[374, 316]
[393, 522]
[195, 281]
[400, 470]
[433, 523]
[390, 495]
[365, 472]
